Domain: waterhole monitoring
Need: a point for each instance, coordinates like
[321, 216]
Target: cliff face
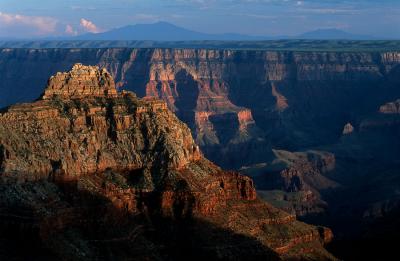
[100, 132]
[293, 180]
[292, 97]
[337, 110]
[89, 173]
[233, 101]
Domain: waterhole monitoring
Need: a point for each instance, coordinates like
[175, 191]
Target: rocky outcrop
[81, 81]
[293, 181]
[348, 129]
[89, 173]
[98, 131]
[390, 107]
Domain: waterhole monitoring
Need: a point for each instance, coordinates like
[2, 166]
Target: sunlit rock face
[82, 125]
[86, 168]
[296, 99]
[81, 81]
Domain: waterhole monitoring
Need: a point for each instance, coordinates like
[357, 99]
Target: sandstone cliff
[233, 100]
[87, 173]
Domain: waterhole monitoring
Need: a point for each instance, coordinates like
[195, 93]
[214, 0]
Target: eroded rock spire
[81, 81]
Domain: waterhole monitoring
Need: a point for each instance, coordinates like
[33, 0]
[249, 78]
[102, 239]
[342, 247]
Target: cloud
[70, 30]
[30, 25]
[89, 26]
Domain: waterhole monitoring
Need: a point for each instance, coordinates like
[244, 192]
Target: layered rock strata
[89, 173]
[293, 97]
[81, 81]
[293, 181]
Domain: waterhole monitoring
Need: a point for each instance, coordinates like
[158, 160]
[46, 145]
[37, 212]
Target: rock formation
[391, 107]
[296, 99]
[241, 104]
[81, 81]
[293, 181]
[348, 129]
[87, 173]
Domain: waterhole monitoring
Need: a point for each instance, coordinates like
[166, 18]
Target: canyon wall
[87, 173]
[237, 103]
[303, 124]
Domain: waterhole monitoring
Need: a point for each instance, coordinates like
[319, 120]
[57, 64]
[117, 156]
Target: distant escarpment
[233, 101]
[87, 173]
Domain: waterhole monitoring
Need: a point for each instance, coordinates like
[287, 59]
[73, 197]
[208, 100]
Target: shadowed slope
[85, 158]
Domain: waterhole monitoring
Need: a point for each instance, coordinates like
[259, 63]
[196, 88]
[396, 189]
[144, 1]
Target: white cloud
[89, 26]
[70, 30]
[32, 25]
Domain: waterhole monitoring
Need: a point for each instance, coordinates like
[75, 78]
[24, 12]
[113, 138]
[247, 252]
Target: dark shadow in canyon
[137, 76]
[378, 241]
[188, 93]
[90, 227]
[226, 126]
[357, 239]
[365, 218]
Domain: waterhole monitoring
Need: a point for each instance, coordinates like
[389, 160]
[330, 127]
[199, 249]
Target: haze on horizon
[52, 18]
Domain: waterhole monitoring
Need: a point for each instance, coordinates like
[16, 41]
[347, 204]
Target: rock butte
[348, 129]
[80, 82]
[89, 173]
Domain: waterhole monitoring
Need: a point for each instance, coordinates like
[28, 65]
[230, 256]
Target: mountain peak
[81, 81]
[155, 25]
[160, 31]
[163, 23]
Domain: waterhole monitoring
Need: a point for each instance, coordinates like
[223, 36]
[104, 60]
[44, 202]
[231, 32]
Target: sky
[44, 18]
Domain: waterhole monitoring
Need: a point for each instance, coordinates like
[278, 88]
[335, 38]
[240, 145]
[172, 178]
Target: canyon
[318, 131]
[87, 173]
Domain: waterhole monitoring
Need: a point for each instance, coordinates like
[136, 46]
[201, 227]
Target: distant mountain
[166, 32]
[162, 31]
[332, 34]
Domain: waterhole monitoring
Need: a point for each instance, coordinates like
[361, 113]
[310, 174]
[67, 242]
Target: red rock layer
[81, 81]
[70, 151]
